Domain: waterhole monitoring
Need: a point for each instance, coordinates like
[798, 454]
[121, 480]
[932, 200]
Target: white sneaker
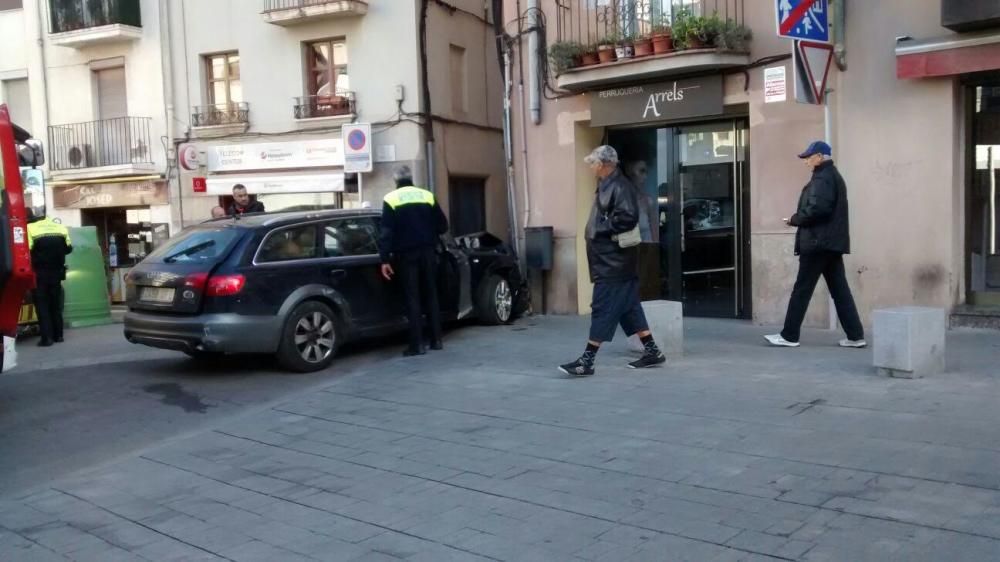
[857, 344]
[778, 341]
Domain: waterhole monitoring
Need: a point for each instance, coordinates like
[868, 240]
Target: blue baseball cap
[817, 147]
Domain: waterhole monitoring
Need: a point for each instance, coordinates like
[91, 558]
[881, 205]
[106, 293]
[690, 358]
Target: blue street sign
[804, 19]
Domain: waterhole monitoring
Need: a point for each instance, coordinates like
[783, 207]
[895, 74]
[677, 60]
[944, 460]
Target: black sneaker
[648, 360]
[577, 369]
[409, 352]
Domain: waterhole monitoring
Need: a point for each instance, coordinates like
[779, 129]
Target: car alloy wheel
[315, 337]
[503, 300]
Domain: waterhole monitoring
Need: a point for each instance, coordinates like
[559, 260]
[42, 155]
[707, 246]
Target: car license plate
[157, 294]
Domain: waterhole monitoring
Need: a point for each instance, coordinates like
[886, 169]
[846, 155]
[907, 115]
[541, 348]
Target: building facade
[263, 89]
[151, 110]
[714, 151]
[86, 78]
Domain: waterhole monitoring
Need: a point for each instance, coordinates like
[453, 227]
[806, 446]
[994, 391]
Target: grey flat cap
[402, 173]
[602, 155]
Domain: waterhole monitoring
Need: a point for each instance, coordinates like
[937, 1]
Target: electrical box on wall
[400, 93]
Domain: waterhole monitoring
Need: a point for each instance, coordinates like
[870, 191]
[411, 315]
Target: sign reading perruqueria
[662, 101]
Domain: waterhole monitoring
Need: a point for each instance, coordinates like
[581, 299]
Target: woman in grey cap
[613, 269]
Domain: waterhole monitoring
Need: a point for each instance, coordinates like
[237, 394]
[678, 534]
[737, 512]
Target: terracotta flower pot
[696, 42]
[643, 47]
[663, 43]
[606, 53]
[589, 59]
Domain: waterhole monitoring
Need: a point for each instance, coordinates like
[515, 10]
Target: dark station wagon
[299, 285]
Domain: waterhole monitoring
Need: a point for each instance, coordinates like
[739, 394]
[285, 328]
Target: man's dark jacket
[253, 207]
[615, 211]
[822, 217]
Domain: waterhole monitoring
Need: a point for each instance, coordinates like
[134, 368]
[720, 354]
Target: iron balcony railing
[108, 142]
[72, 15]
[275, 5]
[589, 22]
[308, 107]
[221, 114]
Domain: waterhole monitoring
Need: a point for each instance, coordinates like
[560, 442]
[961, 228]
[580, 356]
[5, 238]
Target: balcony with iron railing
[122, 143]
[616, 41]
[81, 23]
[220, 118]
[293, 12]
[341, 105]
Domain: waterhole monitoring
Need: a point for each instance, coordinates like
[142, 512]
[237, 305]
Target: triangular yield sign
[816, 57]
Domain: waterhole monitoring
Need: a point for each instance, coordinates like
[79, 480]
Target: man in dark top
[242, 203]
[412, 223]
[613, 269]
[824, 236]
[49, 243]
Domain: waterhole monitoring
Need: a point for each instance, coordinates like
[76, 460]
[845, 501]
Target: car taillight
[196, 281]
[225, 285]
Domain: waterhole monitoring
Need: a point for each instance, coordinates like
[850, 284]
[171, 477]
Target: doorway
[983, 195]
[695, 179]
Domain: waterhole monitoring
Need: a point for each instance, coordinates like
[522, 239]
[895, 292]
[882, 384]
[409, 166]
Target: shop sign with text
[663, 101]
[276, 155]
[89, 196]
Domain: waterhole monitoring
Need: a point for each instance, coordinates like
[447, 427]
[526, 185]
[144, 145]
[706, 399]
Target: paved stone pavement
[484, 452]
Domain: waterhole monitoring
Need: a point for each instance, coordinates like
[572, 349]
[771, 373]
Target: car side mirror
[31, 153]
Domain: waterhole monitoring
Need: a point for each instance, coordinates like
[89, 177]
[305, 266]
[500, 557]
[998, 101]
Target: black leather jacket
[615, 210]
[822, 216]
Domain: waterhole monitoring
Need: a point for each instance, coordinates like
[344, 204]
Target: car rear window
[203, 244]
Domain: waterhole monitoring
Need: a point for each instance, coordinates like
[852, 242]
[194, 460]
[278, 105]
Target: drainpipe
[534, 91]
[166, 55]
[45, 66]
[425, 87]
[508, 150]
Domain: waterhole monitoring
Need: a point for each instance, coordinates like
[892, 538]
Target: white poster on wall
[276, 155]
[775, 85]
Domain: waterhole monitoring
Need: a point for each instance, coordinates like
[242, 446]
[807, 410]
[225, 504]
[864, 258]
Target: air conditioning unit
[79, 156]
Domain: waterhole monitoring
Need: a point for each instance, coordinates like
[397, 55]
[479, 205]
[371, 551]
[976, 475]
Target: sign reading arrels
[677, 99]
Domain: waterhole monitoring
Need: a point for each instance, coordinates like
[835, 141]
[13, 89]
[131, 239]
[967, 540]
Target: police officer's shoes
[59, 340]
[437, 345]
[413, 352]
[45, 343]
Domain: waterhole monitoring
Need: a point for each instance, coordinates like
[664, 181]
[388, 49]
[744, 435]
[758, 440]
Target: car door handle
[338, 274]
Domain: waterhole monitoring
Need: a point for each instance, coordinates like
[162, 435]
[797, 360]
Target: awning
[950, 55]
[277, 183]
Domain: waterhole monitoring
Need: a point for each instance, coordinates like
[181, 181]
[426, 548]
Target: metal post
[361, 190]
[828, 138]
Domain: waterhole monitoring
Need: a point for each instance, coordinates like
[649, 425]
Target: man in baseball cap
[823, 237]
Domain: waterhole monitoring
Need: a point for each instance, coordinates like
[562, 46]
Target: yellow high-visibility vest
[409, 196]
[44, 228]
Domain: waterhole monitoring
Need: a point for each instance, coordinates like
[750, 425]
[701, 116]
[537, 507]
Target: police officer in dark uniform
[412, 223]
[49, 242]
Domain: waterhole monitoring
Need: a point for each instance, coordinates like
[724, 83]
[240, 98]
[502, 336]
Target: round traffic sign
[356, 139]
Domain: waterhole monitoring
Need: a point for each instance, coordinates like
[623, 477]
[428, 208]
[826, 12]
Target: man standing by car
[49, 243]
[412, 223]
[824, 236]
[242, 203]
[613, 269]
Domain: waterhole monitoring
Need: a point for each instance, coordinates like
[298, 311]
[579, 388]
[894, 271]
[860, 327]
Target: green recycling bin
[86, 285]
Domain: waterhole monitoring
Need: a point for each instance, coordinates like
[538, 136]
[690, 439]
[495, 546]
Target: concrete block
[666, 321]
[909, 341]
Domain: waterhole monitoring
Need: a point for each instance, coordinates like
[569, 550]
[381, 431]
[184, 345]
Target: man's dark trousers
[829, 265]
[49, 308]
[419, 275]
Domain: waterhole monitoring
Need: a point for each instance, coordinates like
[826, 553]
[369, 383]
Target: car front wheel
[310, 338]
[496, 301]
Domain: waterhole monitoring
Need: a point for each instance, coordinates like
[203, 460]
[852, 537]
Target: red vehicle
[16, 277]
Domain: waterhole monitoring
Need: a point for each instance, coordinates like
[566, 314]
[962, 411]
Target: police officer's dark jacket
[411, 220]
[49, 242]
[823, 214]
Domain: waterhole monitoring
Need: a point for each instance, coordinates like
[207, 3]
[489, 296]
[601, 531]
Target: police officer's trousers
[49, 308]
[418, 270]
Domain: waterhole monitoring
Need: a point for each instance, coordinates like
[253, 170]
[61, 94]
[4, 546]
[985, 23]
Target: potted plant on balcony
[606, 48]
[589, 56]
[643, 46]
[625, 49]
[662, 35]
[702, 31]
[565, 55]
[734, 37]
